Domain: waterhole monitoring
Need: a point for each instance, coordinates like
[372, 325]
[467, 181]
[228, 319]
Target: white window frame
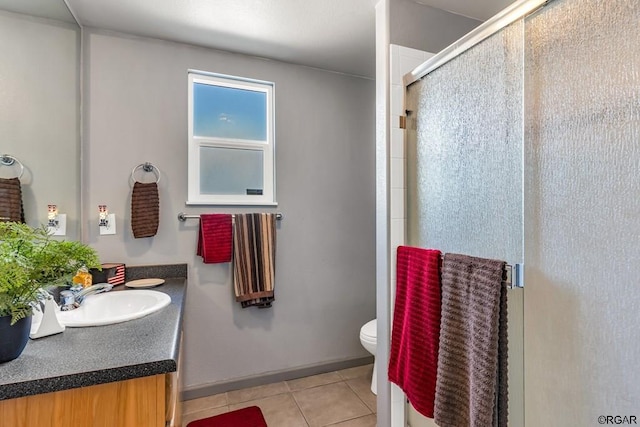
[195, 197]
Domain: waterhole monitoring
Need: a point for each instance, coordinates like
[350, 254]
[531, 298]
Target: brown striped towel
[254, 258]
[11, 208]
[471, 387]
[145, 209]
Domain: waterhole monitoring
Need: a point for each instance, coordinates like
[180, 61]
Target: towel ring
[146, 167]
[7, 160]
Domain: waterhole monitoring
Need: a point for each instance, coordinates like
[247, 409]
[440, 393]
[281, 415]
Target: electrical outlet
[60, 227]
[110, 225]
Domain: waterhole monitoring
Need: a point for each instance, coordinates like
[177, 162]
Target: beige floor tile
[278, 411]
[368, 421]
[358, 371]
[195, 405]
[253, 393]
[362, 387]
[314, 381]
[187, 418]
[329, 404]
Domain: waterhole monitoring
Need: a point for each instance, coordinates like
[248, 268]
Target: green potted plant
[30, 263]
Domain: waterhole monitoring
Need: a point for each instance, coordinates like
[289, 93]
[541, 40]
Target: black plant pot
[13, 338]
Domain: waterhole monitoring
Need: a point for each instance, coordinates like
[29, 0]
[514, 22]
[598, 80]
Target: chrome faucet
[74, 297]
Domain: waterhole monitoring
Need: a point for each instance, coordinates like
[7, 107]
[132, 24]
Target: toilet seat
[369, 331]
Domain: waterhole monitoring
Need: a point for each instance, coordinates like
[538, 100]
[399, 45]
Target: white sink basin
[114, 307]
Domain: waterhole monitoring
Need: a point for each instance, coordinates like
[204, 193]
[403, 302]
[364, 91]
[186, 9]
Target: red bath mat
[245, 417]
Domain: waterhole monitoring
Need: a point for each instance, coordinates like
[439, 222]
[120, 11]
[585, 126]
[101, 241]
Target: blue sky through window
[224, 112]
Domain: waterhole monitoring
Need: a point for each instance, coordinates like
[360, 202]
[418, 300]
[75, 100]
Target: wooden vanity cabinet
[139, 402]
[173, 403]
[146, 401]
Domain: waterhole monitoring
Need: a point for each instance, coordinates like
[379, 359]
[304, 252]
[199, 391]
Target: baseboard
[272, 377]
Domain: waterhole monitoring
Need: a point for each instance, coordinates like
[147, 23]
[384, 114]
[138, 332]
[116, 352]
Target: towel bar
[514, 276]
[183, 217]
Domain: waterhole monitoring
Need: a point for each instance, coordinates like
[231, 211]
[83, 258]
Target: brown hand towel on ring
[11, 200]
[145, 209]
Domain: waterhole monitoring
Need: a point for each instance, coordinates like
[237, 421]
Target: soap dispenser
[83, 278]
[45, 322]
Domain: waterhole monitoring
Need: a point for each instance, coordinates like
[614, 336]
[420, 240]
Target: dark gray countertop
[81, 357]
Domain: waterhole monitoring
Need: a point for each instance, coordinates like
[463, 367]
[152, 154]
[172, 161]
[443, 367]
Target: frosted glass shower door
[582, 127]
[464, 170]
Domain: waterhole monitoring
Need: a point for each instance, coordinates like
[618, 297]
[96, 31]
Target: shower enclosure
[522, 145]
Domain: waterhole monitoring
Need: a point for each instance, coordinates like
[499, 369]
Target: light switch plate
[61, 229]
[111, 227]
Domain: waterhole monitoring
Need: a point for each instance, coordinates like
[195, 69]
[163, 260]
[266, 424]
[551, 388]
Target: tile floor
[339, 399]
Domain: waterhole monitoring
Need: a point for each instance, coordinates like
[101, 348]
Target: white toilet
[368, 338]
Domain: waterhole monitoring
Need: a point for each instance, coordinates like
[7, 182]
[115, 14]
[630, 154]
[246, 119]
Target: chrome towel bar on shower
[514, 276]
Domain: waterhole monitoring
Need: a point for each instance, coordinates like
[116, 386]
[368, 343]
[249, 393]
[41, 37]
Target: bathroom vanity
[125, 374]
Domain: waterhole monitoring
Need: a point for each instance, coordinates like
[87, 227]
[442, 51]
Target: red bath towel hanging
[413, 358]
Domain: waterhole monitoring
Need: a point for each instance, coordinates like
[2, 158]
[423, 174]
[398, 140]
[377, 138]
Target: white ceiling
[42, 8]
[336, 35]
[476, 9]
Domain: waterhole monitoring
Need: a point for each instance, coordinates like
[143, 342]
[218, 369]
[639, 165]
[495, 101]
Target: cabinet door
[174, 407]
[139, 402]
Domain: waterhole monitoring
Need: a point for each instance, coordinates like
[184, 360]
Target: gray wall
[426, 28]
[136, 110]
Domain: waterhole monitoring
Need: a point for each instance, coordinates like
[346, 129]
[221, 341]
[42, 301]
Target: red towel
[215, 238]
[413, 360]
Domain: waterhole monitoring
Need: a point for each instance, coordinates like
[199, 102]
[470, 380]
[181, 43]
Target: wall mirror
[40, 107]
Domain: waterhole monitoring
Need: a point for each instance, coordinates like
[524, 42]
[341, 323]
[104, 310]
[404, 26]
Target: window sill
[221, 203]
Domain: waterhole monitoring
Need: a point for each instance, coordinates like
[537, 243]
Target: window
[231, 141]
